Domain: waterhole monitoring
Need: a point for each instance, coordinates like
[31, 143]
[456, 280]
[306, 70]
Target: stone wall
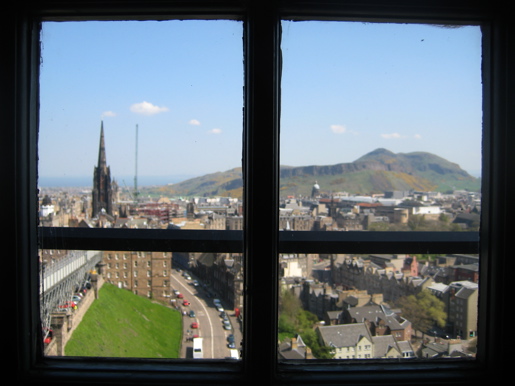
[64, 323]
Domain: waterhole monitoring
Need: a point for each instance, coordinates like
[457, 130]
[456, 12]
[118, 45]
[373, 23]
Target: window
[261, 164]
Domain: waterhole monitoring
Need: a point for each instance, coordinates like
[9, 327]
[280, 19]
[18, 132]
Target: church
[103, 189]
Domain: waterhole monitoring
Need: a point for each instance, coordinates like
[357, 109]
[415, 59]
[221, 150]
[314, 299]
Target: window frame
[261, 162]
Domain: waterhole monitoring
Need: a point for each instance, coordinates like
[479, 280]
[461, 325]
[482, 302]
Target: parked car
[231, 345]
[194, 325]
[180, 296]
[227, 325]
[230, 338]
[192, 314]
[186, 303]
[68, 305]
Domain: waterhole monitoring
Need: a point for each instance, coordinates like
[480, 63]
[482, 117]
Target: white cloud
[147, 108]
[194, 122]
[108, 114]
[215, 131]
[391, 136]
[417, 136]
[338, 129]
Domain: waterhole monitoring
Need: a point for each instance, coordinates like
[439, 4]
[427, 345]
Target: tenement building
[144, 273]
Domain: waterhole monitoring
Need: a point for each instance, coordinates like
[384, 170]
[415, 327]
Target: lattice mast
[136, 192]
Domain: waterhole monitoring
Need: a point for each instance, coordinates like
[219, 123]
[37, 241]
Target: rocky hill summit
[376, 172]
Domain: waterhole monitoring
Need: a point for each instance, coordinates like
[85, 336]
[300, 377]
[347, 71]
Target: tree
[423, 310]
[294, 320]
[417, 222]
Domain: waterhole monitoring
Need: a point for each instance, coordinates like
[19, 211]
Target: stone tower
[102, 187]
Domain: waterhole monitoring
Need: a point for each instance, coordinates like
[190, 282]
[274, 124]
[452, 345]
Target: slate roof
[383, 344]
[344, 335]
[287, 352]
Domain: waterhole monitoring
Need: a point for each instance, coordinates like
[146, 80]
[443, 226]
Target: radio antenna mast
[136, 169]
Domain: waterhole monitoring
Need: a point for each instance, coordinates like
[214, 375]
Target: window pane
[167, 97]
[132, 304]
[380, 127]
[141, 128]
[381, 130]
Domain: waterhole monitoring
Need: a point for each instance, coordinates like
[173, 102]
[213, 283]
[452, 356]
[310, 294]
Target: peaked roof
[344, 335]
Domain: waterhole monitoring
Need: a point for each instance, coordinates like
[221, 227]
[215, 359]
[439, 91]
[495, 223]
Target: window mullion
[261, 166]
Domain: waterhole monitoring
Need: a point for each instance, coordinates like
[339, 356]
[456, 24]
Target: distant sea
[57, 182]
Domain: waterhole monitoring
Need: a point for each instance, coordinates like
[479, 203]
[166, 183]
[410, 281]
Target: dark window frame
[262, 94]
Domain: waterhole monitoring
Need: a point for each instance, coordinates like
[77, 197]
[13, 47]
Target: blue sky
[347, 89]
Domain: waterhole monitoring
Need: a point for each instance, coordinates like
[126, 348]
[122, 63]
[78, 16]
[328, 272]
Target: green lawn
[121, 324]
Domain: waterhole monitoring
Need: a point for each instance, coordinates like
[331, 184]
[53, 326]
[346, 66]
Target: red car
[194, 325]
[69, 305]
[180, 296]
[186, 303]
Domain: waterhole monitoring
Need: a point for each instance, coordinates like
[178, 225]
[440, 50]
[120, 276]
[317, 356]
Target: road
[210, 326]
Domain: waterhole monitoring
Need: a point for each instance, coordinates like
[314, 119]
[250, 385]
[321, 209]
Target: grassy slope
[121, 324]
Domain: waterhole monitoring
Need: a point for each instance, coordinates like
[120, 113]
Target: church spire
[102, 184]
[102, 163]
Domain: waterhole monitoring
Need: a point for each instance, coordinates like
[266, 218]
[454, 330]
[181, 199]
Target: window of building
[261, 165]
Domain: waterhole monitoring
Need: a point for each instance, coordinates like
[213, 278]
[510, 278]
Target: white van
[234, 354]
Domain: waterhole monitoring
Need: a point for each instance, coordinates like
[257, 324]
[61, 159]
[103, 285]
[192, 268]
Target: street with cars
[205, 317]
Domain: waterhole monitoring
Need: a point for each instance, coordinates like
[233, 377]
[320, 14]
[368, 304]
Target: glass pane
[154, 104]
[378, 306]
[380, 127]
[381, 130]
[141, 127]
[141, 304]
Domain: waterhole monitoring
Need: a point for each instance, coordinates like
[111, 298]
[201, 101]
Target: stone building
[144, 273]
[391, 280]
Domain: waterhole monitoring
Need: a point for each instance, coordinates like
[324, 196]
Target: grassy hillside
[376, 172]
[121, 324]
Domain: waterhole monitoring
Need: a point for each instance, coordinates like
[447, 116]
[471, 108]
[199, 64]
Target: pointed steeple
[102, 163]
[102, 184]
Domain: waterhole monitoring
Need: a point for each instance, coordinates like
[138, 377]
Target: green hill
[121, 324]
[376, 172]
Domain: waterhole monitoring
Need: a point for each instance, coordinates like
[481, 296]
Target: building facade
[146, 274]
